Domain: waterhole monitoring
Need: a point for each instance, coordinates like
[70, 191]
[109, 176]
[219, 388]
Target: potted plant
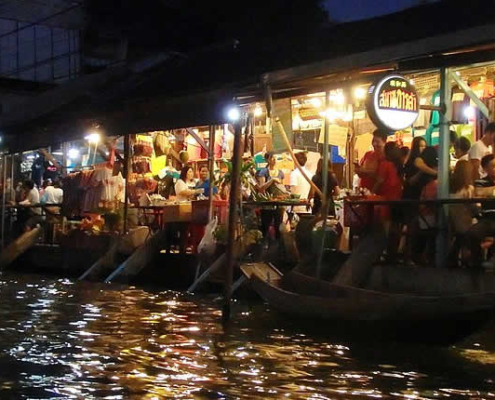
[224, 182]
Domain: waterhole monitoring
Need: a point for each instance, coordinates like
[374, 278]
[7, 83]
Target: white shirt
[33, 197]
[180, 186]
[299, 185]
[52, 195]
[477, 152]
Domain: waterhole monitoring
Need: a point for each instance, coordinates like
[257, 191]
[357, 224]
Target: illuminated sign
[393, 103]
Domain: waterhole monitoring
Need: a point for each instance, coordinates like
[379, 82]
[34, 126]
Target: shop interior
[91, 170]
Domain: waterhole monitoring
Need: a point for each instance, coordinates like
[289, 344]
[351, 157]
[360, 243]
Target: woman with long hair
[271, 180]
[423, 247]
[185, 185]
[461, 187]
[412, 188]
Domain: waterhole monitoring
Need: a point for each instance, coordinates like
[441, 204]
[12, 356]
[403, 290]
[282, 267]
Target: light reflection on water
[66, 340]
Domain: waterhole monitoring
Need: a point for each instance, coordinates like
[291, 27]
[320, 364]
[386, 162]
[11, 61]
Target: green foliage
[245, 173]
[220, 234]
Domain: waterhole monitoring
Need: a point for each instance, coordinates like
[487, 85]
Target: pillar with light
[93, 138]
[234, 115]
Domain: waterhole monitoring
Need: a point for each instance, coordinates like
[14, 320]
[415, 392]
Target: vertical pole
[233, 201]
[211, 166]
[65, 150]
[251, 138]
[325, 202]
[126, 177]
[12, 187]
[12, 193]
[443, 168]
[4, 176]
[270, 114]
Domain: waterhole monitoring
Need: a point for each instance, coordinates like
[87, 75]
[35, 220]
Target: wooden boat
[418, 315]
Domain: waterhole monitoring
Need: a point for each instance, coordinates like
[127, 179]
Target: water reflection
[64, 340]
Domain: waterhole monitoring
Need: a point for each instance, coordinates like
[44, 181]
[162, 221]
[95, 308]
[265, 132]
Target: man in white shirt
[298, 184]
[480, 149]
[32, 215]
[53, 194]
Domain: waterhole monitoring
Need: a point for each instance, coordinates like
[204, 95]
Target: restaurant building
[153, 119]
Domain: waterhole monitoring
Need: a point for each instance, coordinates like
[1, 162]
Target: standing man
[298, 184]
[480, 149]
[32, 216]
[368, 166]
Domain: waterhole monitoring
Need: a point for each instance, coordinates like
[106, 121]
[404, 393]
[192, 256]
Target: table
[276, 204]
[180, 212]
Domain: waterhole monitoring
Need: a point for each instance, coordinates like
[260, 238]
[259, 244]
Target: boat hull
[380, 316]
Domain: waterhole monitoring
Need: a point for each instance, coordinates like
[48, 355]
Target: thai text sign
[393, 103]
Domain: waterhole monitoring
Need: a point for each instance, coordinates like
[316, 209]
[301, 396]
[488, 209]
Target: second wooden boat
[442, 318]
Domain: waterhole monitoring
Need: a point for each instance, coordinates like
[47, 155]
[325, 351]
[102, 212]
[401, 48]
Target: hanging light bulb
[234, 114]
[359, 93]
[93, 137]
[73, 153]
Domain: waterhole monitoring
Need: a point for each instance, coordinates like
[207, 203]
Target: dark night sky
[349, 10]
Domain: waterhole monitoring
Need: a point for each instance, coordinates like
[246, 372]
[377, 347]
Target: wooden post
[233, 201]
[19, 246]
[12, 174]
[211, 166]
[325, 200]
[126, 177]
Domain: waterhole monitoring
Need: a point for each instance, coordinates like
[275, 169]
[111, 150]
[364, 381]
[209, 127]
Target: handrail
[473, 200]
[39, 205]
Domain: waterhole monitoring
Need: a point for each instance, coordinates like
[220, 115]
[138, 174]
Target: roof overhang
[448, 46]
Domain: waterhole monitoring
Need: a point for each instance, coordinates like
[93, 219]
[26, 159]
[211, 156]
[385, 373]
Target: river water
[61, 339]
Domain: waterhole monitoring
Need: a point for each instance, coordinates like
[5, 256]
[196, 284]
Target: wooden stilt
[211, 166]
[127, 163]
[233, 202]
[104, 262]
[140, 258]
[19, 246]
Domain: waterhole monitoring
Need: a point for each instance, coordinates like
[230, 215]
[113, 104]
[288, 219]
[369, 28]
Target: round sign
[393, 103]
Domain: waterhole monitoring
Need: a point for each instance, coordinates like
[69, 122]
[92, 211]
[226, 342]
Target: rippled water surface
[65, 340]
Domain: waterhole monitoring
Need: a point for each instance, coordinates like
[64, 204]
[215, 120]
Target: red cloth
[391, 188]
[370, 161]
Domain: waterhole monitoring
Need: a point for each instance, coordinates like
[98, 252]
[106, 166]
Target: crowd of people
[395, 173]
[389, 171]
[26, 195]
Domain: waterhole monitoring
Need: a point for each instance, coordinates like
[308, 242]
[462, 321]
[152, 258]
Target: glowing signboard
[393, 103]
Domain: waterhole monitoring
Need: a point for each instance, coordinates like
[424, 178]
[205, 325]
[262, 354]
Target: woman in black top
[412, 190]
[333, 187]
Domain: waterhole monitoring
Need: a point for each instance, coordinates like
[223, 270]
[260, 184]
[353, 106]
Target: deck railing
[451, 247]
